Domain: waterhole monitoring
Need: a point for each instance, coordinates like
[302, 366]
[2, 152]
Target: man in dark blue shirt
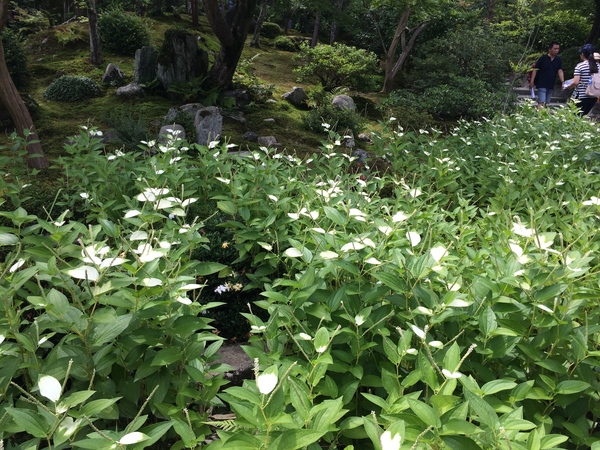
[544, 74]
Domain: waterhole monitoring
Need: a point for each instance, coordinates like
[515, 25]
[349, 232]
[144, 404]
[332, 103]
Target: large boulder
[343, 101]
[145, 64]
[208, 124]
[297, 96]
[180, 59]
[113, 75]
[132, 90]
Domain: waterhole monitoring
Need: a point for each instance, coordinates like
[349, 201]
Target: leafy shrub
[130, 126]
[270, 30]
[29, 20]
[71, 33]
[122, 33]
[336, 65]
[569, 28]
[286, 44]
[406, 107]
[16, 57]
[72, 88]
[339, 119]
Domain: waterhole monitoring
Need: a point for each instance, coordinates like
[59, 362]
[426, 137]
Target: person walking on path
[582, 77]
[544, 74]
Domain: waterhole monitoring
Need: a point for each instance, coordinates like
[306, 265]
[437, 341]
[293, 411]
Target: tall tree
[261, 18]
[10, 97]
[595, 31]
[95, 49]
[231, 33]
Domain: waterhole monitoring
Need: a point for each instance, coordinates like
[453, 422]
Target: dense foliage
[16, 58]
[122, 33]
[451, 303]
[337, 65]
[71, 89]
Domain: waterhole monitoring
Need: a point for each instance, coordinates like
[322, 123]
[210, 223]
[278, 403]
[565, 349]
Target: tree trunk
[231, 37]
[95, 48]
[16, 107]
[335, 26]
[194, 5]
[317, 28]
[261, 18]
[491, 7]
[393, 65]
[595, 31]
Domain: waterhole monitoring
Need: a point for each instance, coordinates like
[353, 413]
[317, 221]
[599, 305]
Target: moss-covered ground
[64, 50]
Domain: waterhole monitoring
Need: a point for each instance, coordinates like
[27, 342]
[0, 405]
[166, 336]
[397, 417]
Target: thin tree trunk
[194, 5]
[95, 48]
[595, 31]
[261, 18]
[13, 102]
[317, 28]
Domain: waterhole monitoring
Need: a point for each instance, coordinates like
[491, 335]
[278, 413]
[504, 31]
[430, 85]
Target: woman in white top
[582, 78]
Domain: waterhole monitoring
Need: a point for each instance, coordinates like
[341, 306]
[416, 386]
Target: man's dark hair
[552, 44]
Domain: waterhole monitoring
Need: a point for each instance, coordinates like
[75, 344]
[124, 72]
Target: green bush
[270, 30]
[339, 119]
[72, 88]
[16, 57]
[286, 44]
[129, 125]
[568, 28]
[337, 65]
[122, 33]
[406, 107]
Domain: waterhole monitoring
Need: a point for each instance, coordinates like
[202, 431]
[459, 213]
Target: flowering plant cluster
[451, 303]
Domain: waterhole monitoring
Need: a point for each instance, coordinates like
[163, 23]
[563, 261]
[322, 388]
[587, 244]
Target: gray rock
[297, 96]
[365, 137]
[268, 141]
[361, 156]
[209, 125]
[235, 116]
[132, 90]
[173, 132]
[113, 74]
[348, 140]
[250, 136]
[242, 98]
[185, 60]
[145, 64]
[343, 101]
[190, 109]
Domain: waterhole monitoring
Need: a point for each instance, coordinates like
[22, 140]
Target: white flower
[399, 217]
[273, 198]
[84, 195]
[138, 235]
[49, 387]
[412, 351]
[413, 237]
[438, 252]
[424, 310]
[328, 255]
[385, 230]
[304, 337]
[16, 265]
[266, 382]
[132, 213]
[184, 300]
[544, 308]
[356, 212]
[389, 442]
[222, 288]
[592, 201]
[223, 180]
[522, 230]
[436, 344]
[420, 333]
[84, 273]
[132, 438]
[373, 261]
[459, 303]
[293, 253]
[449, 374]
[352, 246]
[151, 282]
[2, 338]
[359, 320]
[321, 349]
[147, 253]
[414, 192]
[368, 242]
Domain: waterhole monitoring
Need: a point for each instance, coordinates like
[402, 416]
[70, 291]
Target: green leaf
[102, 333]
[9, 239]
[484, 411]
[29, 422]
[167, 356]
[227, 207]
[452, 357]
[497, 386]
[487, 321]
[321, 340]
[59, 302]
[208, 268]
[335, 216]
[385, 407]
[109, 227]
[571, 387]
[460, 443]
[95, 406]
[76, 398]
[393, 281]
[298, 439]
[552, 440]
[424, 412]
[549, 292]
[154, 433]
